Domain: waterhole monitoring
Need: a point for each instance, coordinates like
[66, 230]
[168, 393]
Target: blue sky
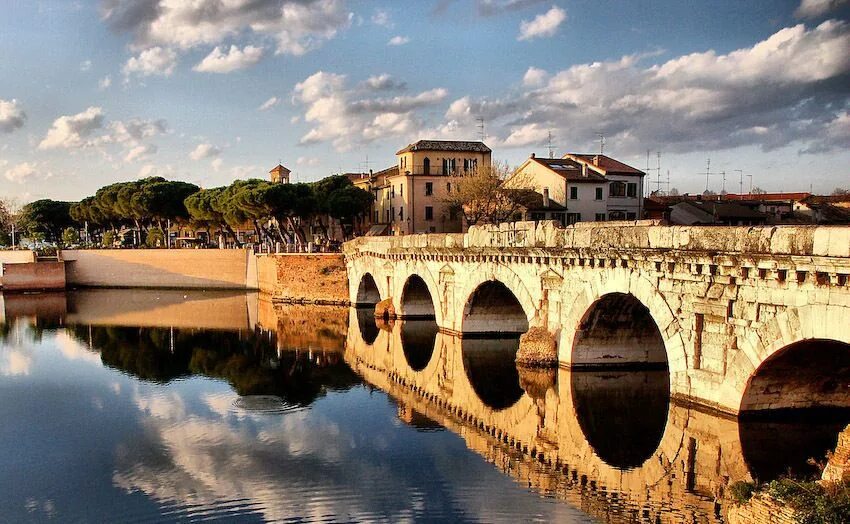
[93, 92]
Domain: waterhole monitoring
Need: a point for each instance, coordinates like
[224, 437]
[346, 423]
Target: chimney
[545, 197]
[596, 160]
[532, 155]
[583, 169]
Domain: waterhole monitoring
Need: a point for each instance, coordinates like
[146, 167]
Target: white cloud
[219, 62]
[85, 65]
[534, 77]
[308, 161]
[542, 26]
[268, 104]
[384, 82]
[156, 61]
[73, 131]
[105, 83]
[139, 152]
[205, 150]
[816, 8]
[339, 116]
[23, 172]
[216, 164]
[382, 18]
[790, 87]
[398, 40]
[12, 117]
[296, 26]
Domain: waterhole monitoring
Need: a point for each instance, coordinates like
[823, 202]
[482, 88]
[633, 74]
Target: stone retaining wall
[762, 509]
[32, 276]
[318, 278]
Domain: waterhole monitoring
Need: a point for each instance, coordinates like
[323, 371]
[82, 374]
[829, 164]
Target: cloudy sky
[93, 92]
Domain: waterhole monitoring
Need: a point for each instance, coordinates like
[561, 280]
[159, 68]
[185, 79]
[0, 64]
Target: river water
[151, 406]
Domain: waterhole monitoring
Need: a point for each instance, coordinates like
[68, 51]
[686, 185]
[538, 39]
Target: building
[590, 187]
[625, 188]
[280, 174]
[578, 190]
[413, 189]
[715, 212]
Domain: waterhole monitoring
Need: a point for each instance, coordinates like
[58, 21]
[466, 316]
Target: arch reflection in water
[490, 365]
[366, 323]
[417, 342]
[622, 414]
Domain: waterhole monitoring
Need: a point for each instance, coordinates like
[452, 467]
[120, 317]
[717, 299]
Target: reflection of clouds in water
[15, 361]
[71, 349]
[298, 465]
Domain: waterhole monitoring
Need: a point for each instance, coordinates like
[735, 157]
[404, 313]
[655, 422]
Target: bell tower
[280, 174]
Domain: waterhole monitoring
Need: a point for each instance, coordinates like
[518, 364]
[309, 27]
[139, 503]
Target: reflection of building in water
[608, 441]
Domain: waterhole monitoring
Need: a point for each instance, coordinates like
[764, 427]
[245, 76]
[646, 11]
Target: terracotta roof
[767, 196]
[279, 167]
[446, 145]
[570, 169]
[724, 209]
[607, 164]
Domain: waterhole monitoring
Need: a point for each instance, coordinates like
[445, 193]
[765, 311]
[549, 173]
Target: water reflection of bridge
[608, 441]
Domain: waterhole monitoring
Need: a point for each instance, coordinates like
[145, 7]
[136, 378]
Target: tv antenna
[481, 132]
[551, 147]
[741, 190]
[708, 173]
[601, 143]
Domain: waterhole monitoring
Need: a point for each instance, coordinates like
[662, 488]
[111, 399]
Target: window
[392, 191]
[449, 166]
[574, 193]
[448, 187]
[401, 190]
[429, 188]
[387, 213]
[572, 218]
[538, 216]
[452, 215]
[631, 216]
[631, 190]
[616, 215]
[600, 217]
[392, 211]
[377, 219]
[617, 189]
[598, 193]
[401, 213]
[429, 213]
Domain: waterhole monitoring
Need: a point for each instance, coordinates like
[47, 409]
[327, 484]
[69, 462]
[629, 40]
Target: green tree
[70, 236]
[155, 238]
[108, 239]
[47, 217]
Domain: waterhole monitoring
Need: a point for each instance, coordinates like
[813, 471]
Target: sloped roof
[606, 164]
[446, 145]
[532, 200]
[280, 167]
[570, 169]
[724, 209]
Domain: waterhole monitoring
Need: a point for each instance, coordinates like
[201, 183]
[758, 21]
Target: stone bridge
[743, 318]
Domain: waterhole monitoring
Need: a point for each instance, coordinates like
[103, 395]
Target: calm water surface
[179, 406]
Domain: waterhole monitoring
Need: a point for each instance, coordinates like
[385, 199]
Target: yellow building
[414, 194]
[280, 174]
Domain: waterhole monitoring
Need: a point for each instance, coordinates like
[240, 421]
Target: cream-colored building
[409, 196]
[624, 195]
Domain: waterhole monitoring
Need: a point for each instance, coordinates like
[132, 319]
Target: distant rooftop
[446, 145]
[570, 169]
[607, 164]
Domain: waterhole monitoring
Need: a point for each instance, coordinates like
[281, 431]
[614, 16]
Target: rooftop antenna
[668, 181]
[707, 173]
[723, 187]
[658, 172]
[481, 132]
[741, 190]
[601, 143]
[551, 147]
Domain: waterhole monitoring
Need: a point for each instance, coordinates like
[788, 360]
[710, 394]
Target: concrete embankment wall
[162, 268]
[28, 276]
[8, 256]
[316, 277]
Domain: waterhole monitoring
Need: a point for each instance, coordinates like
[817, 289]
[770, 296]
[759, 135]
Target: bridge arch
[795, 329]
[495, 300]
[368, 293]
[416, 300]
[619, 282]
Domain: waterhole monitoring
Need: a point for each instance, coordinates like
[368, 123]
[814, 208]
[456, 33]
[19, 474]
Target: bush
[108, 239]
[813, 502]
[742, 492]
[155, 238]
[70, 236]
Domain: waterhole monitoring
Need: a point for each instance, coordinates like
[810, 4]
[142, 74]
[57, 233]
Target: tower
[280, 175]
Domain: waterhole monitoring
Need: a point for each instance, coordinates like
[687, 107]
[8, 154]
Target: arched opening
[622, 413]
[366, 323]
[618, 330]
[417, 342]
[416, 301]
[793, 408]
[426, 166]
[367, 291]
[491, 370]
[620, 380]
[493, 310]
